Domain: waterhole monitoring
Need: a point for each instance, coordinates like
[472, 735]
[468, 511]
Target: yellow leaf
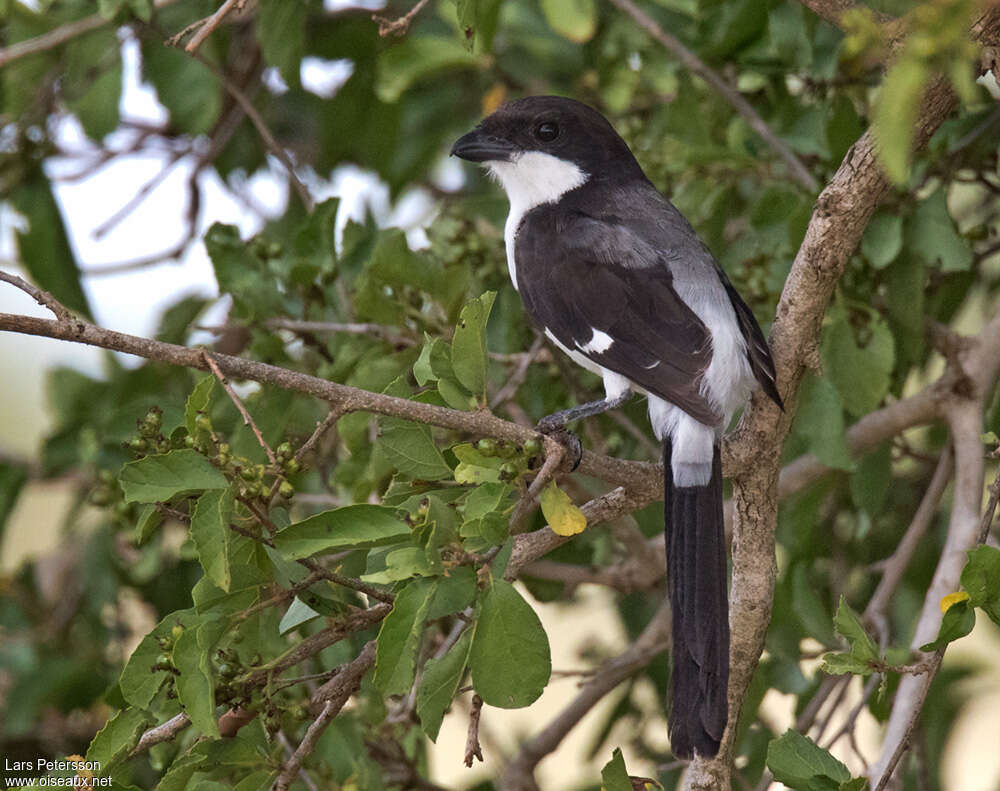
[563, 517]
[953, 598]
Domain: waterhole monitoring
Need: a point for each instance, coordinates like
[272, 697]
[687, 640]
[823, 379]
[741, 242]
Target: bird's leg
[550, 424]
[554, 425]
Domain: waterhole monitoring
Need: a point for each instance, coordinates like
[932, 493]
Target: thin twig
[695, 64]
[60, 35]
[397, 27]
[341, 687]
[387, 333]
[161, 733]
[43, 298]
[209, 24]
[289, 752]
[261, 126]
[247, 419]
[897, 563]
[321, 428]
[917, 706]
[473, 749]
[140, 195]
[516, 378]
[526, 505]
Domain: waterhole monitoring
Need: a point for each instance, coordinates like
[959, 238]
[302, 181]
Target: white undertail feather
[531, 179]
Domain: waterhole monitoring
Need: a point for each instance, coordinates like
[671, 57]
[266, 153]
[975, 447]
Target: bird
[614, 275]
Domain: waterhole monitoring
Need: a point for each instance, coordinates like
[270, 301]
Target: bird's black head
[560, 128]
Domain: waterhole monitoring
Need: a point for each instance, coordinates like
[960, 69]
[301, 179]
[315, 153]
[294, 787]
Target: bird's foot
[552, 426]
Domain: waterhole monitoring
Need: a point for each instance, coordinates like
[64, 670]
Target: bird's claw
[570, 441]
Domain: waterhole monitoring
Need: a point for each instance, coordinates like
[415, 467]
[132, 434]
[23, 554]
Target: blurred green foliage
[197, 522]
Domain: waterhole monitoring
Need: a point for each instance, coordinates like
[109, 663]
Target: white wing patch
[599, 342]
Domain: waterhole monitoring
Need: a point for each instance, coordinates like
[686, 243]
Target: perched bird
[615, 276]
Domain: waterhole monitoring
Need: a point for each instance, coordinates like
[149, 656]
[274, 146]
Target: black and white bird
[616, 277]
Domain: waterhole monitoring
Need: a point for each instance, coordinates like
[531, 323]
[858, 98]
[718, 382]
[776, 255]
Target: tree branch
[335, 695]
[60, 35]
[839, 218]
[642, 478]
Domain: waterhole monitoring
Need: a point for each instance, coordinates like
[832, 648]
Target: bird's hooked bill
[479, 147]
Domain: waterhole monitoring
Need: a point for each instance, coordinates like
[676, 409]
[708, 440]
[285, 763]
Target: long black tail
[696, 577]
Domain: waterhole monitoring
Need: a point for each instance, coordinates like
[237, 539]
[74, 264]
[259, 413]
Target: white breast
[531, 179]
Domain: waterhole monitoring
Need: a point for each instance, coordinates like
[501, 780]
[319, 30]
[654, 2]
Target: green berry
[508, 471]
[189, 441]
[533, 447]
[203, 421]
[487, 447]
[506, 450]
[292, 466]
[284, 451]
[286, 490]
[137, 444]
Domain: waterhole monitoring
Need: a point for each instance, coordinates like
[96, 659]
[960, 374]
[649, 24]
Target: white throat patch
[531, 179]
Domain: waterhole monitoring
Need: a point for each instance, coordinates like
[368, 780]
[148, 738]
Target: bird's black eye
[547, 131]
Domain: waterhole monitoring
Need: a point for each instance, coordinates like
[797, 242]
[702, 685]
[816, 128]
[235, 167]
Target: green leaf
[408, 445]
[281, 31]
[157, 479]
[92, 82]
[572, 19]
[184, 86]
[895, 113]
[350, 527]
[614, 775]
[839, 663]
[199, 401]
[510, 658]
[117, 737]
[849, 626]
[474, 467]
[440, 683]
[455, 592]
[194, 683]
[957, 622]
[981, 578]
[12, 479]
[870, 482]
[297, 614]
[799, 763]
[861, 374]
[932, 237]
[468, 347]
[418, 57]
[478, 17]
[148, 521]
[44, 250]
[240, 274]
[854, 784]
[883, 239]
[211, 534]
[399, 637]
[810, 609]
[820, 422]
[138, 683]
[905, 281]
